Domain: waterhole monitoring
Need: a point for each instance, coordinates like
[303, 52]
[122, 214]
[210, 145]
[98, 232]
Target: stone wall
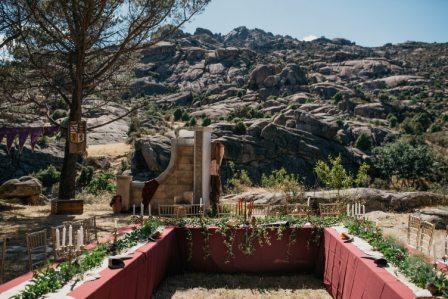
[175, 180]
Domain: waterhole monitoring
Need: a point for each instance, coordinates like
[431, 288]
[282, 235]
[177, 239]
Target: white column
[206, 160]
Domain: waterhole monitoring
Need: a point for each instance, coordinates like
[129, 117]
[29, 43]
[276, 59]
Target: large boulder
[26, 187]
[371, 110]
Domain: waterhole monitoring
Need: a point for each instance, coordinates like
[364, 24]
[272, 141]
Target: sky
[368, 23]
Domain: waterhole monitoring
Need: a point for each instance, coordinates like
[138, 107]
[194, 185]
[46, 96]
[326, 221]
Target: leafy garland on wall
[52, 279]
[258, 231]
[414, 267]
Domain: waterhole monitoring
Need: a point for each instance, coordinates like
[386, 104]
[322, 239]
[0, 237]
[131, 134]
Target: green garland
[52, 279]
[414, 267]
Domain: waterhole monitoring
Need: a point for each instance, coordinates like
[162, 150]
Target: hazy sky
[368, 23]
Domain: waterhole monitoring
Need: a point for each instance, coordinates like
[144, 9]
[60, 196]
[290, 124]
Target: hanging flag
[23, 133]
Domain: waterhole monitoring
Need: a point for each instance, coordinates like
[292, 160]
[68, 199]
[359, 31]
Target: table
[348, 275]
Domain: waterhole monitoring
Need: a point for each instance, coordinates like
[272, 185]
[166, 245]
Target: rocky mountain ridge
[276, 101]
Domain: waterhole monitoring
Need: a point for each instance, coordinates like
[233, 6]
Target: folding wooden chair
[426, 236]
[36, 241]
[2, 258]
[298, 210]
[330, 209]
[414, 224]
[90, 230]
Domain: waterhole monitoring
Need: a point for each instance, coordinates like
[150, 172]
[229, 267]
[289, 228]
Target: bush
[239, 180]
[58, 114]
[418, 124]
[334, 175]
[281, 180]
[405, 160]
[393, 120]
[337, 98]
[101, 181]
[435, 128]
[192, 122]
[85, 176]
[177, 114]
[240, 128]
[48, 176]
[43, 141]
[364, 142]
[245, 112]
[185, 116]
[206, 122]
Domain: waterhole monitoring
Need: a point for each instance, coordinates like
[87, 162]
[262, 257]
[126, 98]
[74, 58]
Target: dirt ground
[17, 220]
[214, 286]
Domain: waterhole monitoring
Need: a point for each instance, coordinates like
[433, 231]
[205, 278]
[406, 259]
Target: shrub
[245, 112]
[85, 176]
[337, 98]
[206, 122]
[43, 141]
[364, 142]
[281, 180]
[393, 120]
[404, 160]
[59, 113]
[177, 114]
[185, 116]
[362, 179]
[101, 181]
[48, 176]
[192, 122]
[435, 128]
[239, 180]
[334, 175]
[240, 128]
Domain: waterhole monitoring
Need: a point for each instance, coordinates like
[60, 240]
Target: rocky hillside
[276, 101]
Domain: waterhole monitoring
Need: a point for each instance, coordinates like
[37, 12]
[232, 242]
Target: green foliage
[362, 178]
[239, 180]
[192, 122]
[245, 112]
[43, 141]
[364, 142]
[435, 128]
[413, 267]
[333, 175]
[281, 180]
[404, 160]
[393, 120]
[418, 124]
[206, 122]
[58, 114]
[124, 165]
[178, 114]
[102, 181]
[52, 279]
[85, 176]
[48, 176]
[240, 128]
[185, 116]
[337, 98]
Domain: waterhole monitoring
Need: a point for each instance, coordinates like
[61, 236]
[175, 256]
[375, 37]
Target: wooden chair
[226, 209]
[36, 241]
[356, 210]
[90, 230]
[330, 209]
[426, 236]
[413, 230]
[2, 258]
[298, 210]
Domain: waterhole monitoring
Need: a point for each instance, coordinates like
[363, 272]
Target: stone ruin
[186, 179]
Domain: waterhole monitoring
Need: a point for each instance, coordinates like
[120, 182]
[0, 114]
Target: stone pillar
[206, 159]
[202, 156]
[124, 190]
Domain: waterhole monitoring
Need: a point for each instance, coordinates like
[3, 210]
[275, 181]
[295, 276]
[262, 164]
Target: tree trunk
[67, 183]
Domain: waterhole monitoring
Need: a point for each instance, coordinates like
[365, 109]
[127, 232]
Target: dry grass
[205, 285]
